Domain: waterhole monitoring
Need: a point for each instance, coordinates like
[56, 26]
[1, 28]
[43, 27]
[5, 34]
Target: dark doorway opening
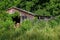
[16, 19]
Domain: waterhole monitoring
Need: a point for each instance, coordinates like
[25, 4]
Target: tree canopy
[40, 7]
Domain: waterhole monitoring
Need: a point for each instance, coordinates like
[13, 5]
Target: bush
[29, 30]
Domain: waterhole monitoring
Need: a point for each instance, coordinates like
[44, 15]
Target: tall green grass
[31, 30]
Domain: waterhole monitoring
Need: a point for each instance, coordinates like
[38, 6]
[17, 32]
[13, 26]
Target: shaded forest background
[30, 30]
[41, 7]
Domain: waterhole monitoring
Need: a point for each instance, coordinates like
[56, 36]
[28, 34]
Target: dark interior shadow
[16, 19]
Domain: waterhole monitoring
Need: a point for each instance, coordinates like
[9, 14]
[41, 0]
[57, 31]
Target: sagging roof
[19, 9]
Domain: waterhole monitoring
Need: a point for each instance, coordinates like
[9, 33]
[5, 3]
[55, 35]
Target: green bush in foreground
[29, 31]
[39, 33]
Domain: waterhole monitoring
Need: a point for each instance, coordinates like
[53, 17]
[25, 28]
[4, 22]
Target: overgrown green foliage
[41, 7]
[30, 30]
[15, 14]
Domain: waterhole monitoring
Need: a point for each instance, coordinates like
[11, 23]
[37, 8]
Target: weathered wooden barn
[25, 15]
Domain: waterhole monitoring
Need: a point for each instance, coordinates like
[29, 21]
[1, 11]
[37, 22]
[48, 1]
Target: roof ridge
[23, 10]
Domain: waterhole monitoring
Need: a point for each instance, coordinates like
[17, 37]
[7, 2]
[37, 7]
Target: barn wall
[11, 11]
[22, 13]
[28, 15]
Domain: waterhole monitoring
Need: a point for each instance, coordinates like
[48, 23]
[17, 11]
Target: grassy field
[29, 30]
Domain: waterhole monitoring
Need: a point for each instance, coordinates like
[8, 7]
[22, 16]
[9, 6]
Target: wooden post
[20, 18]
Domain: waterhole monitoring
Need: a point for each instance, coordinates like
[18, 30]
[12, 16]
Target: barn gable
[23, 14]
